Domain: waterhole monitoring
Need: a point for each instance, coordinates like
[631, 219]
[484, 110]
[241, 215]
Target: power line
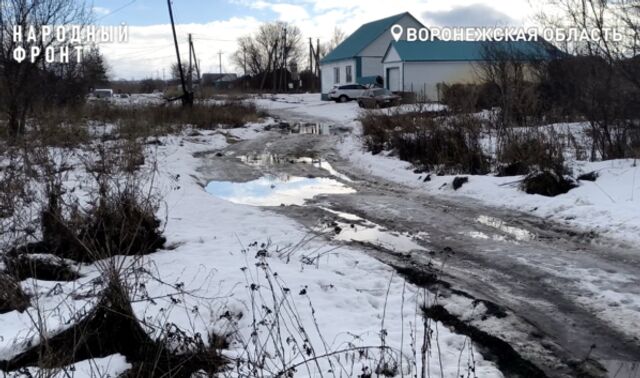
[117, 10]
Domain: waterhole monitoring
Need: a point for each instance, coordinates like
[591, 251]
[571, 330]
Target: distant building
[360, 55]
[223, 80]
[371, 53]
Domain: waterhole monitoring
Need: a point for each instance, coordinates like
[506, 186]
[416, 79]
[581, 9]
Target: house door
[393, 79]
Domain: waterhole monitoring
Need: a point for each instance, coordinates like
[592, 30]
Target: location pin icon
[396, 31]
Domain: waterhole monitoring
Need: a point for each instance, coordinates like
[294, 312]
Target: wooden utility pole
[310, 55]
[318, 57]
[187, 97]
[190, 71]
[285, 84]
[192, 52]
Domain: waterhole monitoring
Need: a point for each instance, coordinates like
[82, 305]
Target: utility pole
[220, 60]
[318, 57]
[318, 78]
[313, 82]
[187, 97]
[192, 54]
[285, 83]
[190, 72]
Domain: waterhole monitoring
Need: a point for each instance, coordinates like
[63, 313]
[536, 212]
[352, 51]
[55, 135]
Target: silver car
[346, 93]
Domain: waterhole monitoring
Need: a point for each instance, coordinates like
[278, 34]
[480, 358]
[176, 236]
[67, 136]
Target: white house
[360, 55]
[416, 66]
[420, 67]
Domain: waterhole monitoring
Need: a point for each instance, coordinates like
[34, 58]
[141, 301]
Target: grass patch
[449, 145]
[521, 152]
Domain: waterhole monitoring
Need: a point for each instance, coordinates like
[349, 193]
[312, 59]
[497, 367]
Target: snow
[346, 287]
[609, 207]
[218, 275]
[111, 366]
[229, 266]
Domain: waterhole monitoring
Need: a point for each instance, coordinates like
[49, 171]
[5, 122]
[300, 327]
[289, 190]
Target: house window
[349, 75]
[336, 75]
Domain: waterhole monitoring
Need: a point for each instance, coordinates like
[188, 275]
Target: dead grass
[522, 151]
[450, 145]
[11, 295]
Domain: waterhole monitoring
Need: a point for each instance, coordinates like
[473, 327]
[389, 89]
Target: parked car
[346, 93]
[378, 98]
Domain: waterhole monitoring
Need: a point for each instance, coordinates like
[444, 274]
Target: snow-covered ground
[229, 268]
[610, 206]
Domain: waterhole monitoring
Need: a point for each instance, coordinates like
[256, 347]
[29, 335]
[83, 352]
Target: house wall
[372, 55]
[327, 75]
[370, 59]
[423, 78]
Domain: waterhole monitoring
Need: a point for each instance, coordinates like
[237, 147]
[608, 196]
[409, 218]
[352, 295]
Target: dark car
[378, 98]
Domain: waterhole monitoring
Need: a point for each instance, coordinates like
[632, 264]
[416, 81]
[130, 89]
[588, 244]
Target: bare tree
[18, 80]
[271, 49]
[605, 75]
[337, 38]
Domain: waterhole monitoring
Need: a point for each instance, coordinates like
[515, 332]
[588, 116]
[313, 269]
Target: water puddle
[272, 190]
[261, 160]
[481, 235]
[351, 227]
[622, 369]
[312, 128]
[306, 128]
[517, 233]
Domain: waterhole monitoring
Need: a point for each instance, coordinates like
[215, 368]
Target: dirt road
[554, 302]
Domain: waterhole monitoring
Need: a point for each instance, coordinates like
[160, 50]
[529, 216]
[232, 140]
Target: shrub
[116, 223]
[547, 183]
[11, 295]
[461, 98]
[376, 129]
[446, 145]
[522, 151]
[451, 146]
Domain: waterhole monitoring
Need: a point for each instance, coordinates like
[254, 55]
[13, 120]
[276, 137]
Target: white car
[346, 93]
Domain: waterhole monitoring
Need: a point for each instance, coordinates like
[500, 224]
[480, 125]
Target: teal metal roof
[361, 38]
[449, 51]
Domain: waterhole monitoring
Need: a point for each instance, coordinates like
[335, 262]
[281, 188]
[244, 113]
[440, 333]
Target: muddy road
[555, 302]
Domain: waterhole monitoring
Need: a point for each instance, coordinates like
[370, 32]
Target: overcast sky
[216, 24]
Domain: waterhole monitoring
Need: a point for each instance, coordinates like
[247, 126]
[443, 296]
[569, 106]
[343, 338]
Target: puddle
[308, 128]
[517, 233]
[261, 160]
[312, 128]
[274, 190]
[483, 236]
[621, 369]
[355, 228]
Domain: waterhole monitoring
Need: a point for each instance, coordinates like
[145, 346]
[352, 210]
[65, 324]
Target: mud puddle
[276, 190]
[268, 159]
[352, 228]
[307, 128]
[512, 232]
